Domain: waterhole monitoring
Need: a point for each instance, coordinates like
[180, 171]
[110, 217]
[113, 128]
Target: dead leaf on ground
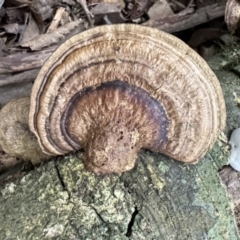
[47, 39]
[31, 31]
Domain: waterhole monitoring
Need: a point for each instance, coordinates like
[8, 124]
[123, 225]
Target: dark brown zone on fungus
[112, 122]
[78, 71]
[65, 57]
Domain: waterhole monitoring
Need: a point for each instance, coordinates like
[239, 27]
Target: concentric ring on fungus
[115, 89]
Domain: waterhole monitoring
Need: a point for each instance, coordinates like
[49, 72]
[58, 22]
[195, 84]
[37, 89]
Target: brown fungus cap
[114, 89]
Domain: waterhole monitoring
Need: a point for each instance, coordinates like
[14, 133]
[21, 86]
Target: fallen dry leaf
[47, 39]
[31, 31]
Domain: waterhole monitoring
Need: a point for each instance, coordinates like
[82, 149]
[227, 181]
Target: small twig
[86, 10]
[24, 61]
[56, 19]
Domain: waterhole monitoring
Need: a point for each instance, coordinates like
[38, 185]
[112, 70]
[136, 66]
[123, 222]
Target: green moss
[230, 56]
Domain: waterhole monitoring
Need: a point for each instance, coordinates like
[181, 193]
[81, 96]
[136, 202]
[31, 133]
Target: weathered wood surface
[159, 199]
[180, 22]
[24, 61]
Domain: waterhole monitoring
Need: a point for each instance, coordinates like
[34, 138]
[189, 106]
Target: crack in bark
[98, 214]
[131, 223]
[61, 181]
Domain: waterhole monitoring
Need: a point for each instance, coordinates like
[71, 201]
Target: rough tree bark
[159, 199]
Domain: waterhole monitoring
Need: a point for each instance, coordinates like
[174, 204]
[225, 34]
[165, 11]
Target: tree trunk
[159, 199]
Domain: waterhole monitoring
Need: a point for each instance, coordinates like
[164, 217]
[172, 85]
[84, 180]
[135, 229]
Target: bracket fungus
[115, 89]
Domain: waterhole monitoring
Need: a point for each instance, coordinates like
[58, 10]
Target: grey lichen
[36, 207]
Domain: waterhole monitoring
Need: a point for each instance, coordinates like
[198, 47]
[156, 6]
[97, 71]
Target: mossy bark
[159, 199]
